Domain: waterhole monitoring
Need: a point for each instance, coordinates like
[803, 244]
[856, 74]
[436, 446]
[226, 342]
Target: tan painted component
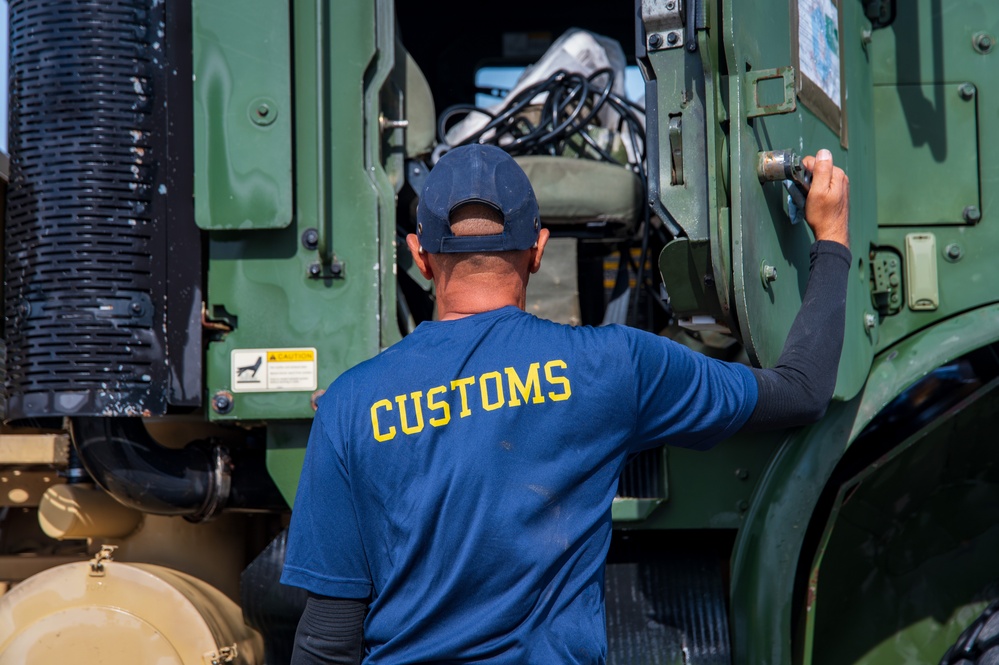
[132, 613]
[25, 488]
[34, 448]
[17, 567]
[84, 511]
[213, 551]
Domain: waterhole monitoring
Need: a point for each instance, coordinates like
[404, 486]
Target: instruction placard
[817, 46]
[273, 370]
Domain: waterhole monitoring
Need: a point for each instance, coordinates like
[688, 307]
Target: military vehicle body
[203, 217]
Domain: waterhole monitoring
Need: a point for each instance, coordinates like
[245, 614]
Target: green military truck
[204, 206]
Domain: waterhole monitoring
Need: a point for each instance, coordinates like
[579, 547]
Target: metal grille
[84, 289]
[642, 477]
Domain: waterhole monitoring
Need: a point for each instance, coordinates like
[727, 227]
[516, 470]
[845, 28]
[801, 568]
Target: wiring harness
[569, 110]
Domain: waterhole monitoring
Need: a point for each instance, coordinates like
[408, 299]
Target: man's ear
[419, 256]
[538, 250]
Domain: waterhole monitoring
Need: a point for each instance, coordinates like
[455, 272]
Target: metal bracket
[97, 563]
[664, 26]
[223, 655]
[752, 80]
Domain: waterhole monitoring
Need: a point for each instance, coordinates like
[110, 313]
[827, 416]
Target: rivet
[741, 474]
[310, 239]
[983, 42]
[336, 268]
[315, 269]
[222, 402]
[671, 5]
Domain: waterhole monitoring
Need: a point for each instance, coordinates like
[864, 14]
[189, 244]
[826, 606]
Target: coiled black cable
[570, 107]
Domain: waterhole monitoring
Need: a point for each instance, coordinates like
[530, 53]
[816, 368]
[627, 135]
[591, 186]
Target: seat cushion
[577, 191]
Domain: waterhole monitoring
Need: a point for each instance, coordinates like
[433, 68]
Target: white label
[273, 370]
[818, 45]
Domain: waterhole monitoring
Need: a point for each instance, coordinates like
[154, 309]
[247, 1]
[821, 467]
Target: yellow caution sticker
[273, 370]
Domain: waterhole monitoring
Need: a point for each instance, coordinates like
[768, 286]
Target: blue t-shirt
[463, 480]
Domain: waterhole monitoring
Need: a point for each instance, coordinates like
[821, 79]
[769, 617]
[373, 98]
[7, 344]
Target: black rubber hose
[125, 461]
[196, 481]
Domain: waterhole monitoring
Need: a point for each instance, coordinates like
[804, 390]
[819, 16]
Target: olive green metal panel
[712, 489]
[242, 114]
[285, 454]
[758, 37]
[768, 547]
[336, 294]
[940, 157]
[910, 546]
[937, 48]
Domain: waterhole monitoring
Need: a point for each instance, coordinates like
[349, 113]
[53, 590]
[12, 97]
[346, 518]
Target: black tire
[979, 643]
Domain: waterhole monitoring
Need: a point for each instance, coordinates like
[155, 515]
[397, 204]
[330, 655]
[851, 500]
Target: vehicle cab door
[728, 82]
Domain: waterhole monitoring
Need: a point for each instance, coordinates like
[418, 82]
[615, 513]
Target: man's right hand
[827, 208]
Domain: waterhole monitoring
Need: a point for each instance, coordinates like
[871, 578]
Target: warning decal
[273, 370]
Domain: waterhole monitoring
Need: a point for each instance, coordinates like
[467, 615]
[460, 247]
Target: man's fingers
[808, 162]
[822, 169]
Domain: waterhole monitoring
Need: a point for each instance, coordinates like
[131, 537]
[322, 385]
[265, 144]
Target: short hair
[475, 219]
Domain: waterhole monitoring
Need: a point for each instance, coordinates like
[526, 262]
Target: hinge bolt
[768, 273]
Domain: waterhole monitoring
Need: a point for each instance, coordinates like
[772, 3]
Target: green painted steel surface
[768, 547]
[909, 549]
[930, 52]
[242, 114]
[928, 171]
[262, 277]
[758, 36]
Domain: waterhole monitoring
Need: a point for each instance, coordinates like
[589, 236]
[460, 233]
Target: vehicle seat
[584, 198]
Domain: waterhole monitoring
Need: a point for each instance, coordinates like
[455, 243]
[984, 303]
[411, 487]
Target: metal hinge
[97, 563]
[223, 655]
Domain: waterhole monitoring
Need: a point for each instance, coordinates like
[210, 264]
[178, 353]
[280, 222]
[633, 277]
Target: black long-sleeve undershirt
[797, 390]
[330, 632]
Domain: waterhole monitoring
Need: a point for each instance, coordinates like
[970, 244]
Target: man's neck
[479, 293]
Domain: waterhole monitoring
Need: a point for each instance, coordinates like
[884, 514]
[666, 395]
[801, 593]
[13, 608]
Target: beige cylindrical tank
[122, 614]
[84, 511]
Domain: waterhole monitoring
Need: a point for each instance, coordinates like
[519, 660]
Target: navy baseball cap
[477, 174]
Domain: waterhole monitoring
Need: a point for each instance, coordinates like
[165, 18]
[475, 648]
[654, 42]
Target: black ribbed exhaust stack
[95, 200]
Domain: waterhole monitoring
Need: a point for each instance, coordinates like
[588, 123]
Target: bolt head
[222, 403]
[655, 40]
[983, 42]
[315, 269]
[672, 38]
[972, 214]
[310, 239]
[671, 5]
[870, 321]
[967, 91]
